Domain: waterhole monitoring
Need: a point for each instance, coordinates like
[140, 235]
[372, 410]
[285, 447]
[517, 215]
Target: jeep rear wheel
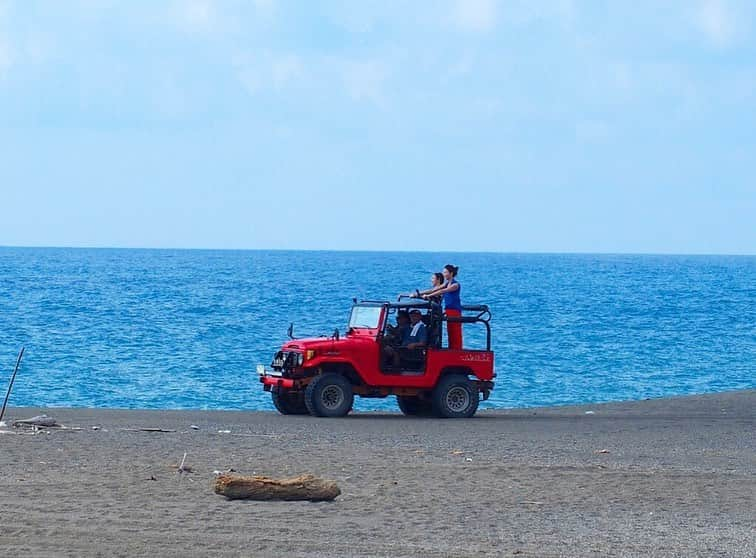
[455, 396]
[414, 406]
[289, 402]
[329, 395]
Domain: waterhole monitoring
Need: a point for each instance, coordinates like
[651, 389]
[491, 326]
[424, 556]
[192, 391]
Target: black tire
[289, 402]
[414, 406]
[329, 395]
[455, 396]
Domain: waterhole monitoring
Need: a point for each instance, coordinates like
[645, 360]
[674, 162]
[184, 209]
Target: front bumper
[270, 378]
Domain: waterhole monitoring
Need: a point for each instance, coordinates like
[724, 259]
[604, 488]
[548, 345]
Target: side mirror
[290, 331]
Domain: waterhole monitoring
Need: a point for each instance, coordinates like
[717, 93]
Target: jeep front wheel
[455, 396]
[289, 402]
[329, 395]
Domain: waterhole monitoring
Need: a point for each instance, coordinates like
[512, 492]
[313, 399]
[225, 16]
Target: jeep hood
[324, 343]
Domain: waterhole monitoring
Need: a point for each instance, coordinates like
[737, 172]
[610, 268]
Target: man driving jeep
[397, 335]
[410, 350]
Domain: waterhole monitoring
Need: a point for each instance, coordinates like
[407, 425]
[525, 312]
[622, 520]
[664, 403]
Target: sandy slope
[678, 480]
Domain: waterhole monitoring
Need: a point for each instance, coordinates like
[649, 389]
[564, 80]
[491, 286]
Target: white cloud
[5, 57]
[590, 130]
[716, 20]
[523, 12]
[197, 15]
[168, 97]
[264, 5]
[475, 15]
[485, 15]
[365, 81]
[284, 69]
[462, 67]
[621, 75]
[213, 17]
[266, 69]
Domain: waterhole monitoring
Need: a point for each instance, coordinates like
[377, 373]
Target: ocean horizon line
[382, 251]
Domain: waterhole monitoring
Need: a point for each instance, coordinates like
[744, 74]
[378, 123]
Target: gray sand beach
[668, 477]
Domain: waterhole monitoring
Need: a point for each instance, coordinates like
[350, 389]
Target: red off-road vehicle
[321, 376]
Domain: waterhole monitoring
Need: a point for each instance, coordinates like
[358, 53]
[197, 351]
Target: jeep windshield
[365, 317]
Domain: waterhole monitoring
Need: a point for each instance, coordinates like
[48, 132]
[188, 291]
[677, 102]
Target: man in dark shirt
[413, 343]
[398, 334]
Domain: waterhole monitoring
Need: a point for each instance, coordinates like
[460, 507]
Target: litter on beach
[39, 421]
[149, 429]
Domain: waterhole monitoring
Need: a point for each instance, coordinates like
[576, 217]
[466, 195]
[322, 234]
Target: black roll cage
[482, 312]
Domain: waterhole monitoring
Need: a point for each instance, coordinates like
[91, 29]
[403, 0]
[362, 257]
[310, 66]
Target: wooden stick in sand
[304, 487]
[10, 385]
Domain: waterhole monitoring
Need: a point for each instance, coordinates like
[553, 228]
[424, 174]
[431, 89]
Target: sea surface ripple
[185, 328]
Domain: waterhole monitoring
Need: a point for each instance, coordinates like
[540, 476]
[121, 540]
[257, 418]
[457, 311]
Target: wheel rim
[457, 399]
[332, 397]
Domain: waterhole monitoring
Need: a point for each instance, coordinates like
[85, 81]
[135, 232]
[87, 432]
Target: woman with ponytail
[450, 291]
[437, 282]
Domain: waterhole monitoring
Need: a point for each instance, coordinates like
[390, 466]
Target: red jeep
[321, 376]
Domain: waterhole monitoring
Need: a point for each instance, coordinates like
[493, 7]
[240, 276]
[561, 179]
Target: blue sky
[523, 126]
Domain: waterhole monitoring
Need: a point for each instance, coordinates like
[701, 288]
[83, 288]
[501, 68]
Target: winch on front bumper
[280, 371]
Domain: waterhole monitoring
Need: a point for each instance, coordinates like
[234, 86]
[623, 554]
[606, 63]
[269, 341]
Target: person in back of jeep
[450, 291]
[418, 335]
[437, 282]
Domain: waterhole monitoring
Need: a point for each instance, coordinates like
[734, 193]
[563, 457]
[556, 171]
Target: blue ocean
[184, 329]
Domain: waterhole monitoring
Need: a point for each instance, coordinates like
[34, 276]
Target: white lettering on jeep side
[475, 357]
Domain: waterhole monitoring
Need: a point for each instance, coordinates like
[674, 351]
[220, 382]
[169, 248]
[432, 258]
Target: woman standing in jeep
[450, 292]
[437, 281]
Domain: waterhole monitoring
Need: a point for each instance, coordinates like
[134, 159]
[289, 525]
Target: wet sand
[671, 477]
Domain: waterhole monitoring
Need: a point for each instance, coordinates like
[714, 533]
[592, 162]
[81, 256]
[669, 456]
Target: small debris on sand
[182, 467]
[39, 420]
[146, 430]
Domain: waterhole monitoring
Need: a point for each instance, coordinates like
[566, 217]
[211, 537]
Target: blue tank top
[452, 300]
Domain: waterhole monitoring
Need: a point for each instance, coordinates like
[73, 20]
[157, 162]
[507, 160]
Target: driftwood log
[305, 487]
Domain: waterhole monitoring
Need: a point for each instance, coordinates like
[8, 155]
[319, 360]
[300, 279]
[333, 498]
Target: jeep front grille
[287, 360]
